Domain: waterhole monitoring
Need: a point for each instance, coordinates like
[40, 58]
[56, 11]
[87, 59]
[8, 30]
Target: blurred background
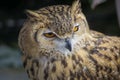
[102, 18]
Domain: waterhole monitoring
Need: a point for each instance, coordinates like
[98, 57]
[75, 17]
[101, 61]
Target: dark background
[12, 15]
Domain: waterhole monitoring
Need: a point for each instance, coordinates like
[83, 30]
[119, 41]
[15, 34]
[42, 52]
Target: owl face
[64, 44]
[61, 27]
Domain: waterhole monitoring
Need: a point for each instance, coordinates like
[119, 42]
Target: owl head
[58, 27]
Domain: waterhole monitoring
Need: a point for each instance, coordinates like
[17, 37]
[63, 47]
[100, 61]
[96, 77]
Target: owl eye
[76, 28]
[49, 35]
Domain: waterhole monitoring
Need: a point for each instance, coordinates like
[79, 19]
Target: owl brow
[76, 18]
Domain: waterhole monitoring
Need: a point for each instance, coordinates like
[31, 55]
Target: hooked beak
[68, 44]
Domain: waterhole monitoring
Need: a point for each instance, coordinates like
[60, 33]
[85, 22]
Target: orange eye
[76, 28]
[49, 35]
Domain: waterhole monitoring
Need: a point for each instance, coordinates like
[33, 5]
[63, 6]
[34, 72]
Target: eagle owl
[57, 44]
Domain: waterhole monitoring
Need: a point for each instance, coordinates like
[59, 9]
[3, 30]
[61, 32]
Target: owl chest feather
[66, 68]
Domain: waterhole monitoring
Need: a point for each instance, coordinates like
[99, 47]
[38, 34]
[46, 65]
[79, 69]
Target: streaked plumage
[57, 45]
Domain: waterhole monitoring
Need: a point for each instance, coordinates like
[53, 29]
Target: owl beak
[68, 44]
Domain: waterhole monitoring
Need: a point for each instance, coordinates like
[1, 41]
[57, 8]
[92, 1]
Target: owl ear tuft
[32, 14]
[76, 7]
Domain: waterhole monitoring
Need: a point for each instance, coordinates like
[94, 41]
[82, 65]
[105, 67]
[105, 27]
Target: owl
[57, 44]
